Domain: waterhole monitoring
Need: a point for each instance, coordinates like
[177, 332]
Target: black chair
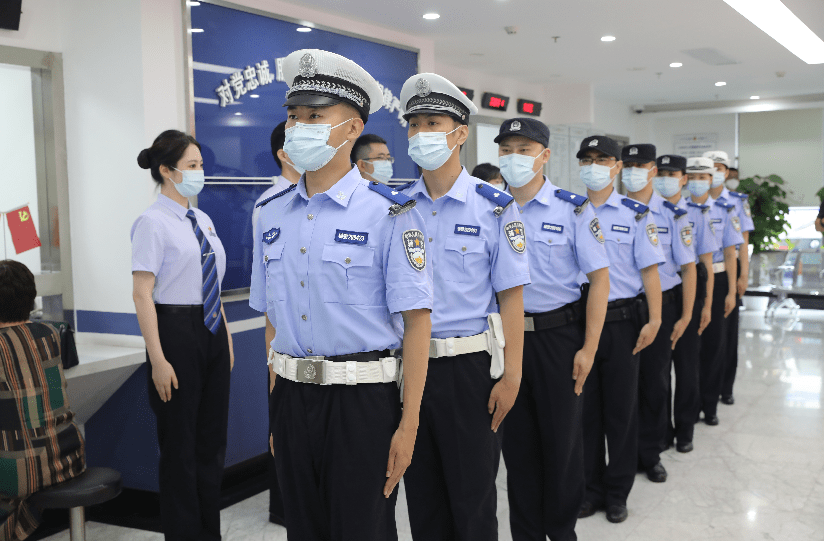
[92, 487]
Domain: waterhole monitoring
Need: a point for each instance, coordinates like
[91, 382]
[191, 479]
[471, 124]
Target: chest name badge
[652, 234]
[272, 235]
[351, 237]
[467, 230]
[620, 228]
[716, 220]
[687, 235]
[414, 248]
[552, 228]
[212, 233]
[736, 224]
[515, 236]
[596, 229]
[663, 230]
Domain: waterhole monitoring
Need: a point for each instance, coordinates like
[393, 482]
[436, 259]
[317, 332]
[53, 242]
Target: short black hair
[733, 169]
[276, 141]
[17, 291]
[486, 172]
[361, 148]
[167, 149]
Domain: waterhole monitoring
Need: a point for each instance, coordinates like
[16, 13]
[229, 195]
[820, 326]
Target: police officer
[669, 183]
[477, 245]
[543, 438]
[678, 293]
[611, 397]
[725, 227]
[721, 192]
[372, 156]
[337, 256]
[178, 263]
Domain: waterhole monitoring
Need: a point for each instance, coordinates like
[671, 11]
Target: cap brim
[668, 168]
[309, 99]
[502, 136]
[580, 154]
[430, 110]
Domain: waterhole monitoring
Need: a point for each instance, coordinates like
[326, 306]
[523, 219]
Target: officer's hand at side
[582, 363]
[646, 336]
[705, 319]
[164, 378]
[678, 330]
[271, 448]
[741, 286]
[502, 399]
[730, 304]
[401, 451]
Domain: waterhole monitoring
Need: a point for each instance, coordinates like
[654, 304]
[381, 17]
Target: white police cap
[433, 94]
[700, 165]
[318, 78]
[717, 156]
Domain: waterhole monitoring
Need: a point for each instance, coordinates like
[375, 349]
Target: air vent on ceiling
[711, 57]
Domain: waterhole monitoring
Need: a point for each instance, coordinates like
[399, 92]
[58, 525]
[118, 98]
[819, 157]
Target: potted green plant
[768, 210]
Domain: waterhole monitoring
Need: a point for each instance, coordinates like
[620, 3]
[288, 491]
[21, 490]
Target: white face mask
[595, 177]
[381, 170]
[732, 184]
[497, 185]
[517, 169]
[667, 186]
[698, 188]
[430, 149]
[635, 178]
[191, 184]
[306, 145]
[718, 179]
[299, 170]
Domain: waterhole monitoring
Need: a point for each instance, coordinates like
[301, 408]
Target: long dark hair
[167, 149]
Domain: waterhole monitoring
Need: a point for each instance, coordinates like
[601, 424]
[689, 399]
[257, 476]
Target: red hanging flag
[21, 227]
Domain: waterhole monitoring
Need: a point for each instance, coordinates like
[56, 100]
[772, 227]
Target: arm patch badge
[596, 229]
[272, 235]
[687, 235]
[653, 234]
[515, 236]
[746, 206]
[736, 225]
[414, 248]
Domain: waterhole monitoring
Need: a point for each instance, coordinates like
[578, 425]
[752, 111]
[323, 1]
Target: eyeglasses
[601, 160]
[381, 159]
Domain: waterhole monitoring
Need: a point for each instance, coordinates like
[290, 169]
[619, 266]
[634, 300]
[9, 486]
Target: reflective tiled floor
[756, 476]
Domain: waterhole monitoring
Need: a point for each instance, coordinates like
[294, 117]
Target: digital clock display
[495, 101]
[527, 107]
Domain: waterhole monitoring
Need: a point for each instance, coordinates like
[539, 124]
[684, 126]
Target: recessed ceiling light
[754, 97]
[608, 38]
[721, 83]
[431, 16]
[304, 29]
[254, 96]
[196, 30]
[675, 64]
[238, 114]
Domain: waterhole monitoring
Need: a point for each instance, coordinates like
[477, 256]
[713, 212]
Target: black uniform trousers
[686, 401]
[192, 426]
[732, 357]
[332, 443]
[451, 482]
[654, 383]
[611, 412]
[276, 501]
[714, 348]
[543, 446]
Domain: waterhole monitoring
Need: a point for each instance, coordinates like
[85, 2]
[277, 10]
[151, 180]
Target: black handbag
[68, 348]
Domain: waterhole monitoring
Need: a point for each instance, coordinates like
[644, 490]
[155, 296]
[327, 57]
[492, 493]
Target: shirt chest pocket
[349, 276]
[665, 235]
[620, 243]
[275, 279]
[463, 257]
[552, 250]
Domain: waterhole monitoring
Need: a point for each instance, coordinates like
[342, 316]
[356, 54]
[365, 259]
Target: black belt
[359, 357]
[179, 308]
[673, 294]
[564, 315]
[620, 310]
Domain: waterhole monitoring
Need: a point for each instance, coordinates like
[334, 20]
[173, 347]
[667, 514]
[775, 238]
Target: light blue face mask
[517, 169]
[191, 183]
[430, 149]
[635, 178]
[718, 179]
[595, 177]
[667, 186]
[698, 188]
[306, 145]
[381, 170]
[299, 170]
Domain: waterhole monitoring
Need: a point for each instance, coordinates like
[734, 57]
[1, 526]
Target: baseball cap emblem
[633, 151]
[515, 126]
[665, 160]
[307, 66]
[422, 87]
[593, 143]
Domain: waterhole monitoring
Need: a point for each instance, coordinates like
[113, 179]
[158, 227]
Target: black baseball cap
[671, 162]
[643, 153]
[602, 143]
[526, 127]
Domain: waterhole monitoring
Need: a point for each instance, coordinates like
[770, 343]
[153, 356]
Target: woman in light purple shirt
[178, 263]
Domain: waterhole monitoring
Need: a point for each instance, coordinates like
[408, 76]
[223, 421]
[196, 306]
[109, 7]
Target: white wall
[41, 26]
[661, 129]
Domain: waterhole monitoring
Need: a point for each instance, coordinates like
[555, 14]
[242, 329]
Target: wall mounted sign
[494, 101]
[528, 107]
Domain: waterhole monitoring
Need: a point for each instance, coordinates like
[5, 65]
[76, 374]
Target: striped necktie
[211, 291]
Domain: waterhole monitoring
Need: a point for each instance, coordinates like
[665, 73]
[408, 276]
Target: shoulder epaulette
[727, 206]
[276, 196]
[676, 210]
[404, 186]
[401, 203]
[579, 200]
[501, 199]
[703, 208]
[640, 209]
[742, 196]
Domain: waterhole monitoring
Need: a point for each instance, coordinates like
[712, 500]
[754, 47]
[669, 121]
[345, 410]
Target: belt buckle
[311, 370]
[529, 324]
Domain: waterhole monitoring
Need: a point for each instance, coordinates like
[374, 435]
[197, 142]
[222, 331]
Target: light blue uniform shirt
[631, 246]
[704, 242]
[724, 228]
[743, 208]
[676, 240]
[279, 184]
[560, 245]
[329, 271]
[164, 243]
[471, 255]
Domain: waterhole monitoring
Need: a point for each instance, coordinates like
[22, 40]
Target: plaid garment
[39, 444]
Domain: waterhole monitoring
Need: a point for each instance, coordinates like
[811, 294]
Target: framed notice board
[239, 93]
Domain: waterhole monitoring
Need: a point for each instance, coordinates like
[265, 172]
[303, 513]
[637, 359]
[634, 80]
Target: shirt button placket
[307, 225]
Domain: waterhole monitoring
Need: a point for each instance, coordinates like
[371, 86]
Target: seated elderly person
[40, 445]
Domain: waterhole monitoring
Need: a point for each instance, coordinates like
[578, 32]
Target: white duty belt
[719, 267]
[451, 347]
[321, 371]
